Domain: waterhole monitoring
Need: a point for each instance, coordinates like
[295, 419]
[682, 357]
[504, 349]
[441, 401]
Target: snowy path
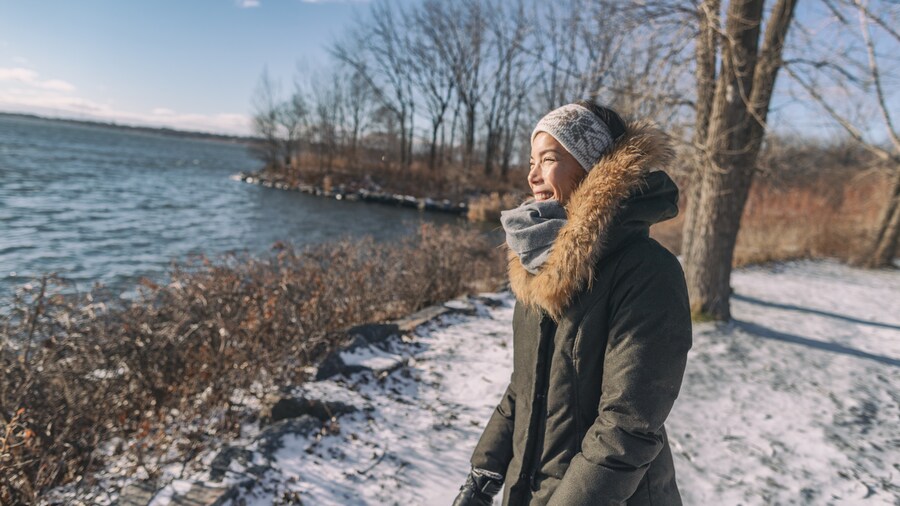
[796, 402]
[411, 443]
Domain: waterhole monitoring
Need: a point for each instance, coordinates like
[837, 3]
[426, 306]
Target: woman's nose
[534, 174]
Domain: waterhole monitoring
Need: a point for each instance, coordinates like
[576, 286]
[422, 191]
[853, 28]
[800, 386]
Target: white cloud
[17, 74]
[58, 85]
[22, 90]
[31, 78]
[247, 4]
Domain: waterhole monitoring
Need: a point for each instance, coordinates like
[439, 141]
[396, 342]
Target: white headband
[579, 130]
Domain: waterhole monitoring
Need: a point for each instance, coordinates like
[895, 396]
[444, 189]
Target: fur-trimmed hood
[623, 194]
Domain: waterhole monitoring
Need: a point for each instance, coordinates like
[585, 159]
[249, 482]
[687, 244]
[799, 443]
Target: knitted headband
[579, 130]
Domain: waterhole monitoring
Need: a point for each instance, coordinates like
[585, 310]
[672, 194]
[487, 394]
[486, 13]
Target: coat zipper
[539, 404]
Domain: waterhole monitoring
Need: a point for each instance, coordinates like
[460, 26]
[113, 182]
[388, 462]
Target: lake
[96, 203]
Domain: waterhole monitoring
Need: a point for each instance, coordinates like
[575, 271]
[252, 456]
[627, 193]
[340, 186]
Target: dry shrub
[820, 219]
[809, 200]
[374, 171]
[488, 207]
[160, 375]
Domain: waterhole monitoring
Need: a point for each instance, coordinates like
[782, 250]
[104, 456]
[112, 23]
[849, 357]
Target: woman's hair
[613, 121]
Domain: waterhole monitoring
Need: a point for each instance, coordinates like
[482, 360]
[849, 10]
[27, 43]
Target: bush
[165, 372]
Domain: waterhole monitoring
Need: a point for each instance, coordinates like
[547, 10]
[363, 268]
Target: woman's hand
[480, 488]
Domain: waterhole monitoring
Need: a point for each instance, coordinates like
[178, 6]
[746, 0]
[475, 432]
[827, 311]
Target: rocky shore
[358, 193]
[794, 401]
[372, 357]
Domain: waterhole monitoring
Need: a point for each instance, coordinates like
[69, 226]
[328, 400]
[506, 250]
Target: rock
[294, 407]
[461, 305]
[488, 301]
[361, 336]
[409, 323]
[222, 461]
[269, 440]
[137, 494]
[374, 333]
[333, 365]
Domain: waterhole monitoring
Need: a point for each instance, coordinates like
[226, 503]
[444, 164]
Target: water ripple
[100, 204]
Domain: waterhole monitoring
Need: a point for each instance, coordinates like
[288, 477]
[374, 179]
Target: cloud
[247, 4]
[54, 104]
[31, 78]
[22, 90]
[21, 60]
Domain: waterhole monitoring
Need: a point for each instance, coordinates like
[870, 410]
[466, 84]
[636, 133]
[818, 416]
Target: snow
[796, 401]
[412, 441]
[372, 358]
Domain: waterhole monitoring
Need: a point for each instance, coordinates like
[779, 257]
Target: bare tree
[737, 123]
[432, 73]
[856, 58]
[459, 36]
[265, 121]
[509, 82]
[293, 118]
[706, 50]
[327, 98]
[358, 109]
[379, 50]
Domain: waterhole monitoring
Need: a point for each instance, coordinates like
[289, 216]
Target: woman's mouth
[543, 195]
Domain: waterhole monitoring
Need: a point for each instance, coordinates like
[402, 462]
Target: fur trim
[591, 210]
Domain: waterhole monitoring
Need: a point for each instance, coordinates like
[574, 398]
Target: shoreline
[368, 434]
[369, 352]
[341, 192]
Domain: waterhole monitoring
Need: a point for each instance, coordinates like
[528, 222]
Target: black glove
[480, 488]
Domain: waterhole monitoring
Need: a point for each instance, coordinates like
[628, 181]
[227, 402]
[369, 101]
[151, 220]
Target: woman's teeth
[542, 195]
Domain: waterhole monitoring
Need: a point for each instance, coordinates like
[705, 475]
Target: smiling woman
[601, 327]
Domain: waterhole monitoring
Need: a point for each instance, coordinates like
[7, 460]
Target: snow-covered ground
[795, 402]
[798, 400]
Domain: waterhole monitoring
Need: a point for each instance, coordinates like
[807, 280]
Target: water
[93, 203]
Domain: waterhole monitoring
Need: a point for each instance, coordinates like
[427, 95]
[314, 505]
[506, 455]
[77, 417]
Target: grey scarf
[531, 229]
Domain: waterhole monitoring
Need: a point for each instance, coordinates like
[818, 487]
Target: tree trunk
[470, 135]
[432, 154]
[706, 52]
[452, 144]
[743, 93]
[884, 247]
[489, 148]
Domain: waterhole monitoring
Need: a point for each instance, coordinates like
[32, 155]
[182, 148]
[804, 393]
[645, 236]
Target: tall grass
[825, 216]
[164, 373]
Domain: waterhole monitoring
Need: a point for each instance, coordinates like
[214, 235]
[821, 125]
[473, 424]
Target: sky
[195, 64]
[184, 64]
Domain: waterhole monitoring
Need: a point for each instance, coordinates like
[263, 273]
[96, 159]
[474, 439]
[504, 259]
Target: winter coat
[600, 341]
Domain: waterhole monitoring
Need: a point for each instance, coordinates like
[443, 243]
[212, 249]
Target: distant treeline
[190, 134]
[460, 84]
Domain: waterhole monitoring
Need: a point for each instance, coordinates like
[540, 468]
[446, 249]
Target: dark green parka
[600, 341]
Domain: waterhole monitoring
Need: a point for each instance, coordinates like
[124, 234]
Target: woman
[601, 326]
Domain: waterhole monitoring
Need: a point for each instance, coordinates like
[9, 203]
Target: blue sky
[188, 64]
[194, 64]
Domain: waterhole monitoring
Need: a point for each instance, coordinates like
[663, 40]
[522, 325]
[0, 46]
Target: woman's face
[554, 173]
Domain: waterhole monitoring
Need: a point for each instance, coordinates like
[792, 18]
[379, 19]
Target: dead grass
[486, 208]
[165, 374]
[829, 217]
[372, 171]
